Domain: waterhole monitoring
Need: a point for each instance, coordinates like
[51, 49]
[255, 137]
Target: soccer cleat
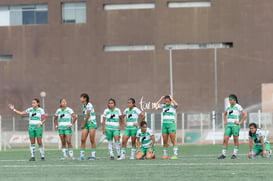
[81, 158]
[121, 158]
[221, 157]
[43, 158]
[63, 158]
[132, 158]
[233, 157]
[32, 159]
[165, 157]
[112, 158]
[174, 157]
[91, 158]
[118, 156]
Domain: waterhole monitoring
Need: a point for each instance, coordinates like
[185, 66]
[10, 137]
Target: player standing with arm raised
[169, 125]
[232, 121]
[133, 117]
[64, 119]
[89, 126]
[260, 142]
[112, 120]
[145, 142]
[37, 119]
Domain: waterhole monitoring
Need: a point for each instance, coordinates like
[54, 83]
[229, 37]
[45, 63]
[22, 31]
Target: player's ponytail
[38, 101]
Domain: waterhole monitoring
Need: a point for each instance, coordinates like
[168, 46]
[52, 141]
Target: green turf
[194, 163]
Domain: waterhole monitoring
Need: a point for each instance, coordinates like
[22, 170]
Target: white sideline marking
[137, 164]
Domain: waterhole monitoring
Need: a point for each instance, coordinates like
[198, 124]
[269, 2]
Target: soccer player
[89, 126]
[64, 119]
[112, 120]
[169, 125]
[145, 142]
[261, 144]
[37, 119]
[133, 119]
[232, 121]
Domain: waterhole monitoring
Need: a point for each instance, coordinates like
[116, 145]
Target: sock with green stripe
[42, 151]
[175, 150]
[165, 151]
[82, 150]
[224, 151]
[70, 152]
[93, 152]
[235, 150]
[32, 150]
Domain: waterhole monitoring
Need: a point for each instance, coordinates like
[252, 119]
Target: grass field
[196, 162]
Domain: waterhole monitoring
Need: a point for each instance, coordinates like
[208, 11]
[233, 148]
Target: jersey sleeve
[71, 111]
[260, 133]
[42, 111]
[56, 113]
[240, 108]
[119, 112]
[151, 132]
[27, 110]
[138, 111]
[89, 107]
[124, 112]
[104, 113]
[138, 133]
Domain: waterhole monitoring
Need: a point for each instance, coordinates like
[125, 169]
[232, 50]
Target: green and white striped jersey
[112, 118]
[35, 115]
[256, 137]
[168, 113]
[85, 109]
[132, 116]
[64, 117]
[145, 138]
[233, 113]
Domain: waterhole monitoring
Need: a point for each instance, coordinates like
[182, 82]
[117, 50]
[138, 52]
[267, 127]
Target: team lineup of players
[142, 137]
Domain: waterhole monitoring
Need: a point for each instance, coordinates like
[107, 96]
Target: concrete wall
[67, 59]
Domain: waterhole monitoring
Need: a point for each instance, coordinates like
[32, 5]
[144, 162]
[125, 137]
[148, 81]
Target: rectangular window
[199, 46]
[129, 6]
[74, 12]
[117, 48]
[189, 4]
[23, 15]
[5, 57]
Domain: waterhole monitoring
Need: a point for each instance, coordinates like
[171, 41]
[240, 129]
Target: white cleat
[121, 158]
[132, 158]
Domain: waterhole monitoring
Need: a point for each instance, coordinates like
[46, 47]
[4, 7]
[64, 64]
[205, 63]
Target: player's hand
[69, 126]
[82, 126]
[103, 131]
[39, 125]
[137, 151]
[237, 122]
[135, 124]
[11, 106]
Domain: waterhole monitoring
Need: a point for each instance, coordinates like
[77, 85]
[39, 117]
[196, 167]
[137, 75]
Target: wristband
[14, 110]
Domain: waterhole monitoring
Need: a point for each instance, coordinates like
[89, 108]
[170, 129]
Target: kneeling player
[145, 142]
[261, 144]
